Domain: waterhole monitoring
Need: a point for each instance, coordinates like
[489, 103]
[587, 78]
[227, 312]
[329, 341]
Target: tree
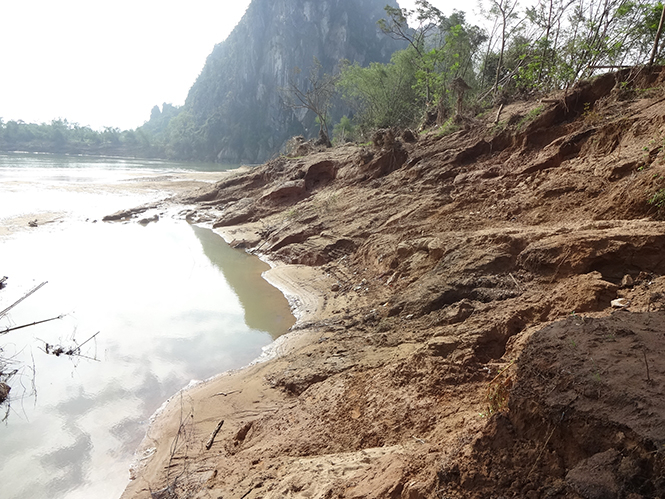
[314, 94]
[383, 95]
[427, 19]
[505, 11]
[442, 49]
[654, 52]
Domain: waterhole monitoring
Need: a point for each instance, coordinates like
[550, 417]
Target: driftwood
[211, 440]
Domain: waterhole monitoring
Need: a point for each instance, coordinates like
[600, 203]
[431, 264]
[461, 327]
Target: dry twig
[211, 440]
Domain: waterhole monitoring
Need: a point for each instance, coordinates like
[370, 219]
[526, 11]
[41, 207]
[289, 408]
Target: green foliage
[418, 78]
[183, 137]
[448, 127]
[530, 116]
[160, 119]
[344, 131]
[657, 199]
[60, 136]
[382, 95]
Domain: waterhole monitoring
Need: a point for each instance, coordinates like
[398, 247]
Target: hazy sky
[107, 63]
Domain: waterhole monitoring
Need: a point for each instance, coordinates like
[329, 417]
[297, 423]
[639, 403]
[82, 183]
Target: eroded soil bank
[460, 339]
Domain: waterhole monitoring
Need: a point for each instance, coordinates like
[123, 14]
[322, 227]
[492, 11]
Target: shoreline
[169, 189]
[306, 303]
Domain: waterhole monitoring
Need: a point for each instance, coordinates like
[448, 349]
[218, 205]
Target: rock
[460, 312]
[383, 138]
[125, 214]
[416, 490]
[4, 392]
[334, 287]
[405, 250]
[627, 281]
[387, 161]
[436, 248]
[620, 303]
[320, 174]
[147, 220]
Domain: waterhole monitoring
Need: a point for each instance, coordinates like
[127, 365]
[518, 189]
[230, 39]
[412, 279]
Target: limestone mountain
[235, 112]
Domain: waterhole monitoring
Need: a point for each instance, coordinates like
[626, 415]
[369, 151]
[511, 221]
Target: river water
[171, 303]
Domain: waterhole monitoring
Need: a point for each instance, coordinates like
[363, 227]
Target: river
[161, 305]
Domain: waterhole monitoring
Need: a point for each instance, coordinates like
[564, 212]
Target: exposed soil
[460, 339]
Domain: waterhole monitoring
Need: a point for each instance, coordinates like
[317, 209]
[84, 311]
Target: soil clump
[458, 336]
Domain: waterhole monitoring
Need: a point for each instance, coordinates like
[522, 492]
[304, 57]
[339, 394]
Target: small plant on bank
[328, 204]
[657, 200]
[498, 391]
[498, 128]
[590, 116]
[448, 127]
[530, 116]
[293, 213]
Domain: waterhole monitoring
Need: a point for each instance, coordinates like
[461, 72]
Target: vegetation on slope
[239, 114]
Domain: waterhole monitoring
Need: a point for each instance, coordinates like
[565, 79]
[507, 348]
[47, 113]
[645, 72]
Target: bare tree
[314, 94]
[505, 11]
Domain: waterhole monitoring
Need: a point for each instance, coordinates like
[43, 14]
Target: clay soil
[456, 334]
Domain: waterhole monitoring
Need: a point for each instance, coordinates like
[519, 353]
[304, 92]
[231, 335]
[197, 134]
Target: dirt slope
[465, 344]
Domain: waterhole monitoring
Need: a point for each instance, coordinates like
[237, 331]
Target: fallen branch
[211, 440]
[498, 114]
[647, 365]
[74, 351]
[519, 288]
[7, 330]
[225, 393]
[541, 452]
[617, 66]
[558, 267]
[4, 312]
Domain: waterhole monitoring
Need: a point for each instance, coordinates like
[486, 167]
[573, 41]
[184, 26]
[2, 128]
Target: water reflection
[173, 302]
[243, 273]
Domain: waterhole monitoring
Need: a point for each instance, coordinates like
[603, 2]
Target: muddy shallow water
[171, 302]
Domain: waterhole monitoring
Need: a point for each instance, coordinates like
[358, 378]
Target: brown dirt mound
[586, 416]
[442, 262]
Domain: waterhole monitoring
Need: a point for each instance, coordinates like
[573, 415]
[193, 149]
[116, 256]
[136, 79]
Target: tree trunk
[654, 52]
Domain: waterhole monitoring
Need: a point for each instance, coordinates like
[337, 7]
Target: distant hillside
[234, 111]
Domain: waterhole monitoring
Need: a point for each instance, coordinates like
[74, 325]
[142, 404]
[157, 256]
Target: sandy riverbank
[463, 340]
[185, 423]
